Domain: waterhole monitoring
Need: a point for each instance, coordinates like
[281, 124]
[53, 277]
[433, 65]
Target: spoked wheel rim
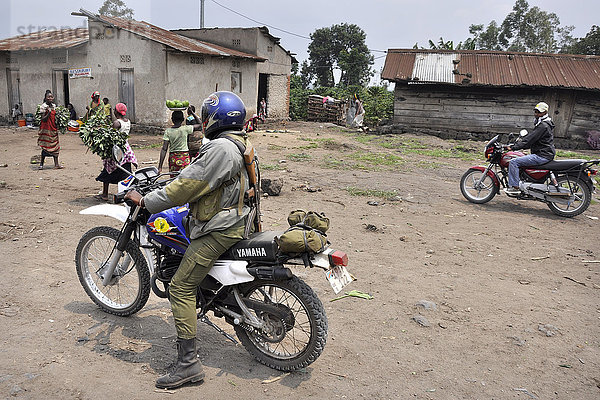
[282, 341]
[577, 200]
[123, 291]
[475, 191]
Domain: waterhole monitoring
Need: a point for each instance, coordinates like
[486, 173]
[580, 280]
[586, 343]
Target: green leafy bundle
[37, 118]
[63, 116]
[100, 137]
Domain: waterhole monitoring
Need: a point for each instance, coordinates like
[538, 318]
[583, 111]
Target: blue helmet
[222, 111]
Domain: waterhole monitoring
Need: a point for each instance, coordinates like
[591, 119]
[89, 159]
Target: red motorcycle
[564, 185]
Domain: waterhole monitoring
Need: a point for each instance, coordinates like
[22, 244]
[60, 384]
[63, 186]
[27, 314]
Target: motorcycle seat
[260, 246]
[560, 165]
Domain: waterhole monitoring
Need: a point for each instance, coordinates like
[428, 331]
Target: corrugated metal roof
[46, 40]
[494, 68]
[172, 39]
[433, 67]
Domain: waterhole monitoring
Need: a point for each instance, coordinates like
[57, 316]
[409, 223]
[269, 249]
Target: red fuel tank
[506, 157]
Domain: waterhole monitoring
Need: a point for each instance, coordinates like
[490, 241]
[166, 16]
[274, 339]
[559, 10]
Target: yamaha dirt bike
[278, 318]
[564, 185]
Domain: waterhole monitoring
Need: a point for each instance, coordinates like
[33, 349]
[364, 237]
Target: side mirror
[117, 153]
[523, 132]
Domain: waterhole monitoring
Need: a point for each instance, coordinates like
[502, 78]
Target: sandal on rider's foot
[58, 167]
[41, 167]
[100, 197]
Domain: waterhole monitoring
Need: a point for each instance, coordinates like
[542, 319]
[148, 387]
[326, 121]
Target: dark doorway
[262, 90]
[60, 86]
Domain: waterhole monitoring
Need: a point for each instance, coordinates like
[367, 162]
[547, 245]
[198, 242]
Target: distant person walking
[359, 115]
[48, 134]
[262, 113]
[175, 143]
[106, 106]
[94, 107]
[16, 113]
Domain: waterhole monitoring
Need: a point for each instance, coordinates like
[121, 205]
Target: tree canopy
[590, 44]
[115, 8]
[339, 46]
[524, 29]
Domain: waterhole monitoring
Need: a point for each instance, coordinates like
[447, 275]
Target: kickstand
[208, 322]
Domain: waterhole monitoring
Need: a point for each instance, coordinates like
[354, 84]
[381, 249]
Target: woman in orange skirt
[48, 135]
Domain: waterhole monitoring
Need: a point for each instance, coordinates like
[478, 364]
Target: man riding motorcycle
[213, 185]
[541, 143]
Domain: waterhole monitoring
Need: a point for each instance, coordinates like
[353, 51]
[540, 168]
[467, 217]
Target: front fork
[108, 269]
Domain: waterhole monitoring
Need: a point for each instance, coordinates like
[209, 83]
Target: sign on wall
[80, 73]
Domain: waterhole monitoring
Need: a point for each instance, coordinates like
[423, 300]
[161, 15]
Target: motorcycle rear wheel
[292, 344]
[581, 193]
[474, 193]
[129, 291]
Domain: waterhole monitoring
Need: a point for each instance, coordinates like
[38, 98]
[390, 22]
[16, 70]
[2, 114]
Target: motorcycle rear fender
[490, 173]
[230, 272]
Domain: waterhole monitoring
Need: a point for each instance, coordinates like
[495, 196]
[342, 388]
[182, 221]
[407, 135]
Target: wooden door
[127, 92]
[14, 90]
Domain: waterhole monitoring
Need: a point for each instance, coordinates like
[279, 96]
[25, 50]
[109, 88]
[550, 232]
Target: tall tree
[115, 8]
[590, 44]
[524, 29]
[340, 46]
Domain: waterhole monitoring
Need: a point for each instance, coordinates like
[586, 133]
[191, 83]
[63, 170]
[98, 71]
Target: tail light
[592, 172]
[338, 258]
[489, 151]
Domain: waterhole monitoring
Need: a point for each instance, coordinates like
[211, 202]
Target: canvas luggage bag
[306, 233]
[311, 219]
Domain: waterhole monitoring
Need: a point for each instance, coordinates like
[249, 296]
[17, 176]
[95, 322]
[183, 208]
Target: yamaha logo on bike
[252, 252]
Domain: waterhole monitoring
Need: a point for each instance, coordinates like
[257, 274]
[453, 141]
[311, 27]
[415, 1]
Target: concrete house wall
[193, 81]
[277, 67]
[159, 71]
[36, 70]
[111, 50]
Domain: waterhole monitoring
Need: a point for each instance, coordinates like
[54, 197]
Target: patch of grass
[300, 157]
[571, 154]
[318, 142]
[353, 191]
[429, 164]
[415, 146]
[331, 163]
[272, 167]
[377, 159]
[312, 145]
[275, 147]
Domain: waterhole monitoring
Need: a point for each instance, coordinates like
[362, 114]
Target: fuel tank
[166, 227]
[509, 155]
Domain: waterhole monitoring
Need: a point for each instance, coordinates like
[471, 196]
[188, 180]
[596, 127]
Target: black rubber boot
[187, 368]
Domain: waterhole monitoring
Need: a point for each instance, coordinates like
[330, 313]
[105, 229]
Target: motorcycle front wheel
[581, 197]
[474, 191]
[128, 290]
[294, 342]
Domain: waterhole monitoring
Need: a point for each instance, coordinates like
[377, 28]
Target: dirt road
[513, 290]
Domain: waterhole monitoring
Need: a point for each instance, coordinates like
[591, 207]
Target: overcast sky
[387, 23]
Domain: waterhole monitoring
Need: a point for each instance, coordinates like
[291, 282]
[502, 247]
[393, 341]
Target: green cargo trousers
[198, 259]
